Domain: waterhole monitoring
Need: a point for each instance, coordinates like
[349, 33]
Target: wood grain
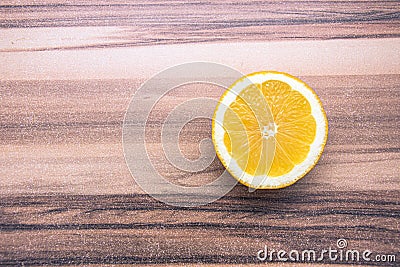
[48, 152]
[136, 229]
[66, 194]
[172, 22]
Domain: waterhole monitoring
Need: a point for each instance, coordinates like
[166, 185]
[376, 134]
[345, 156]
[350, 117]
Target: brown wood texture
[166, 22]
[66, 194]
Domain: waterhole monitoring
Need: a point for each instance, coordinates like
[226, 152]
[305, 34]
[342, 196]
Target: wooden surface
[66, 194]
[166, 22]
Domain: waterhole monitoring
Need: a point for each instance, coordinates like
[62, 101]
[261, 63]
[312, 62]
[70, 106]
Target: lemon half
[269, 129]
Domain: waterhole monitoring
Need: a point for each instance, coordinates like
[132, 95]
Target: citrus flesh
[269, 129]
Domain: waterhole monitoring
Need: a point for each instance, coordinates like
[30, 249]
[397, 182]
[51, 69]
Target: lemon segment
[244, 122]
[269, 129]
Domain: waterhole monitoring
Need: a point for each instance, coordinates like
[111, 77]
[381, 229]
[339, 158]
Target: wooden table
[68, 72]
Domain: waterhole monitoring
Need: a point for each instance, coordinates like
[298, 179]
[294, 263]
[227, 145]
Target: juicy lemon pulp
[291, 115]
[296, 127]
[270, 130]
[244, 122]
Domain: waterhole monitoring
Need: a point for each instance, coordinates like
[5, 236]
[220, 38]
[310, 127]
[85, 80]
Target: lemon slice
[269, 129]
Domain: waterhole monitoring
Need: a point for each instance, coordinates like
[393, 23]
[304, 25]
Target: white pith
[269, 131]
